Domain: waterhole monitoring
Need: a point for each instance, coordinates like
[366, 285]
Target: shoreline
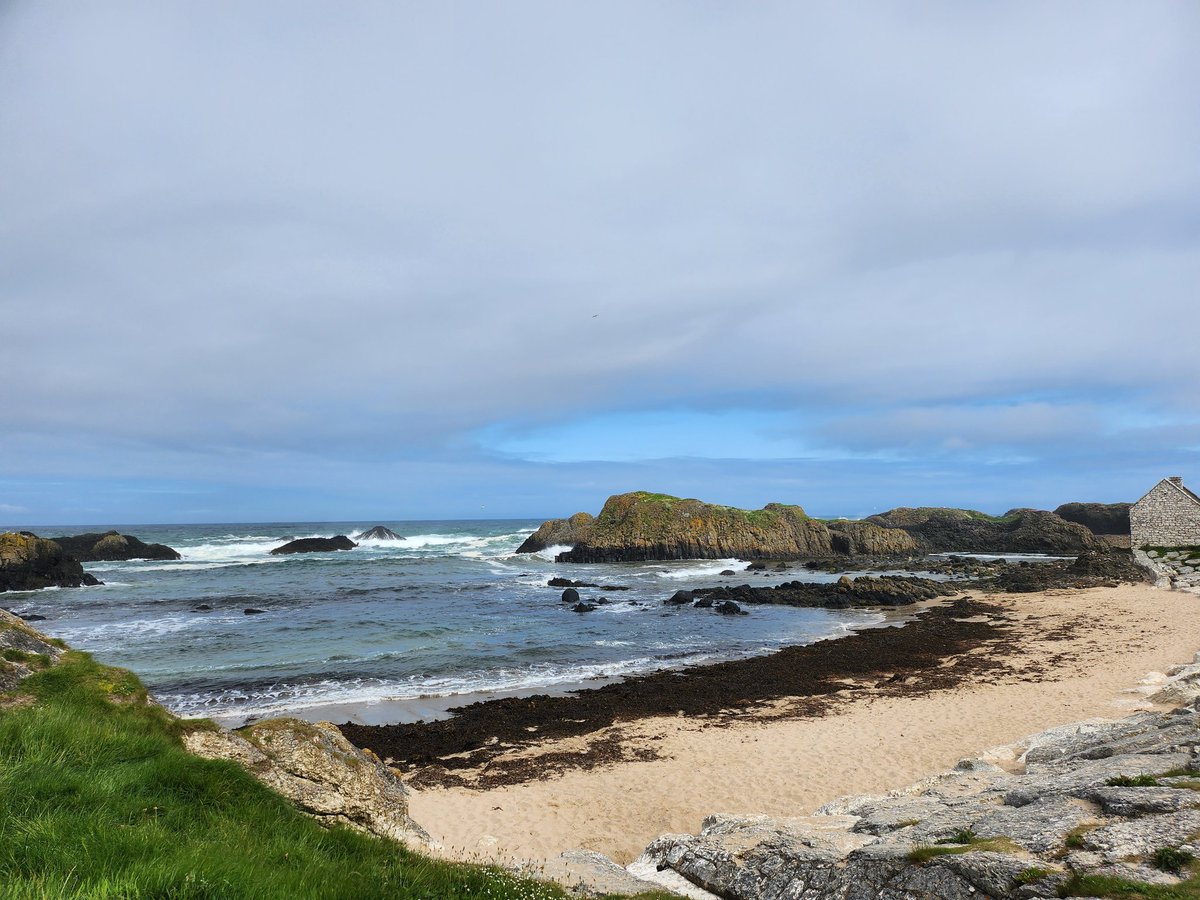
[1038, 660]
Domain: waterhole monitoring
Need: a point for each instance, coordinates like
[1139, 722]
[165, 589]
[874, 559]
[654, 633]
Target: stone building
[1168, 516]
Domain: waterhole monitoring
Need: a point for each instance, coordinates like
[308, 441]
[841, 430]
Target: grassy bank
[98, 799]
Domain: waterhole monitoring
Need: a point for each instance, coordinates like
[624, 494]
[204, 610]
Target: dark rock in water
[558, 532]
[250, 611]
[613, 587]
[203, 607]
[111, 546]
[756, 566]
[702, 603]
[567, 582]
[602, 601]
[680, 597]
[30, 563]
[570, 595]
[866, 590]
[1098, 518]
[315, 545]
[378, 533]
[34, 617]
[728, 572]
[583, 607]
[729, 608]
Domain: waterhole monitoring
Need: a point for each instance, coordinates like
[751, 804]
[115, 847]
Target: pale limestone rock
[321, 772]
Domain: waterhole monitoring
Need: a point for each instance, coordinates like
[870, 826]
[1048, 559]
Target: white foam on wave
[97, 637]
[716, 567]
[548, 553]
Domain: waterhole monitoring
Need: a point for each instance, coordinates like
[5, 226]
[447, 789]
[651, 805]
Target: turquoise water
[451, 609]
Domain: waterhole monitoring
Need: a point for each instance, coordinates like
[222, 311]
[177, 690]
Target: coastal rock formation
[941, 530]
[558, 532]
[868, 539]
[1078, 810]
[112, 546]
[315, 545]
[321, 772]
[866, 590]
[1098, 518]
[30, 563]
[23, 651]
[378, 533]
[644, 526]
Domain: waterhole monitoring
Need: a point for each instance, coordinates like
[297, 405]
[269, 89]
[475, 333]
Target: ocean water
[452, 609]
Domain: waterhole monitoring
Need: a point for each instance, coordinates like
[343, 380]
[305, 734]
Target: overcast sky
[305, 261]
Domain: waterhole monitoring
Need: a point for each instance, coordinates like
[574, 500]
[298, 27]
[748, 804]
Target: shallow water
[451, 609]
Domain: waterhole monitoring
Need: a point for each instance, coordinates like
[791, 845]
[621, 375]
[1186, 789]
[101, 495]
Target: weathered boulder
[315, 545]
[1098, 518]
[378, 533]
[558, 532]
[23, 650]
[30, 563]
[321, 772]
[570, 595]
[941, 530]
[112, 546]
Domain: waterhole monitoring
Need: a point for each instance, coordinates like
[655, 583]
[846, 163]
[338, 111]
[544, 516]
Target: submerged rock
[378, 533]
[321, 772]
[30, 563]
[112, 546]
[315, 545]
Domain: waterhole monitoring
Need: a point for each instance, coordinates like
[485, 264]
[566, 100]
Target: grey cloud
[281, 227]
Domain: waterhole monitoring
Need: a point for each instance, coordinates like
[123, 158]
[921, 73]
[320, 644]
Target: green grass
[1134, 781]
[954, 847]
[1108, 886]
[99, 800]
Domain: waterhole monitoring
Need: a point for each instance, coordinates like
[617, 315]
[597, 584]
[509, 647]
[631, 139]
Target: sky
[307, 261]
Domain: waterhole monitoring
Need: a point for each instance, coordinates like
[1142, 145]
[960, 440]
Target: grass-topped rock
[645, 526]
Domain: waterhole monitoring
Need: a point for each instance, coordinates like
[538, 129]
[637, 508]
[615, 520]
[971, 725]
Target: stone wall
[1168, 516]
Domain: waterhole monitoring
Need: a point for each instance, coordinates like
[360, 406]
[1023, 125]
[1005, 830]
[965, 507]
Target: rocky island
[31, 563]
[641, 526]
[111, 546]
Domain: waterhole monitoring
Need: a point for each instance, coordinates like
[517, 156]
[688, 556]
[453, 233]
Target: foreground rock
[30, 563]
[942, 530]
[315, 545]
[378, 533]
[321, 772]
[111, 546]
[23, 651]
[1116, 800]
[644, 526]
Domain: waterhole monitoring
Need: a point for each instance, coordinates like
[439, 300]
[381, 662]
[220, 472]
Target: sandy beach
[1044, 659]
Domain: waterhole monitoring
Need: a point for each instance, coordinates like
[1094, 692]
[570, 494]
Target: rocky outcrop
[320, 771]
[23, 651]
[378, 533]
[845, 593]
[315, 545]
[30, 563]
[111, 546]
[559, 532]
[1098, 518]
[855, 538]
[644, 526]
[1115, 800]
[941, 530]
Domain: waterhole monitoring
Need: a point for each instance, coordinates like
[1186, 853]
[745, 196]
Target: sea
[449, 613]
